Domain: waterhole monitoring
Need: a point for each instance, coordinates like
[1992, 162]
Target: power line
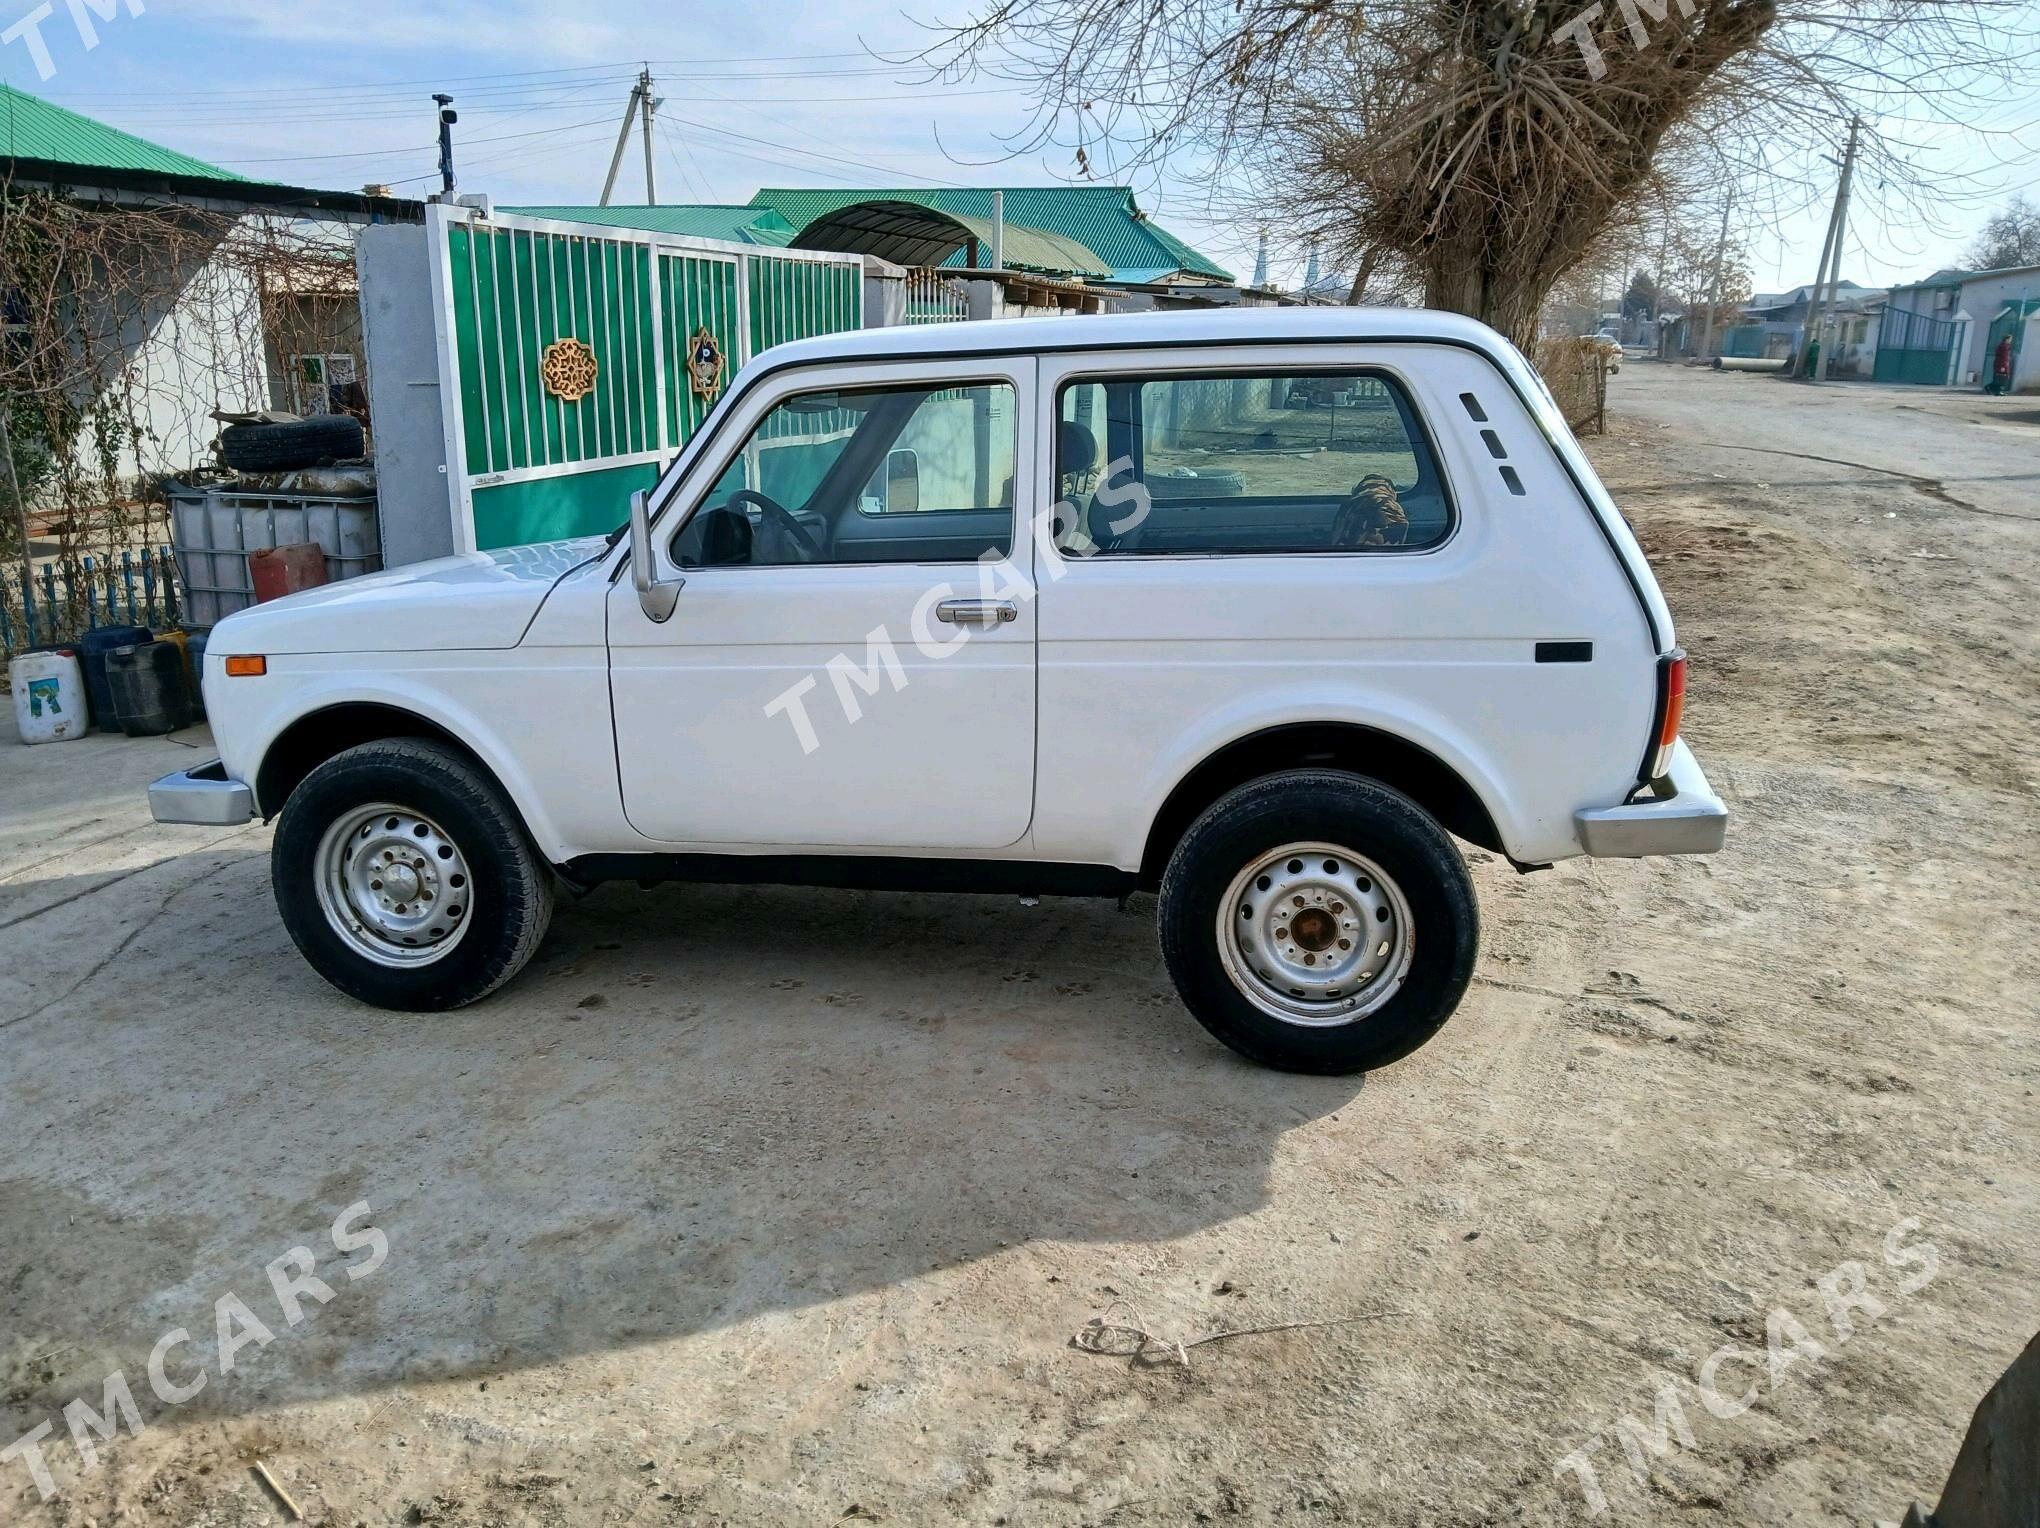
[788, 148]
[500, 161]
[543, 132]
[340, 116]
[476, 79]
[590, 73]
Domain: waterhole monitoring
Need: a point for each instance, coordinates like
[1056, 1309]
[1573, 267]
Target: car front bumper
[1691, 820]
[207, 795]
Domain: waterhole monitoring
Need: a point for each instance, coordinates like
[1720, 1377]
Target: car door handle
[977, 612]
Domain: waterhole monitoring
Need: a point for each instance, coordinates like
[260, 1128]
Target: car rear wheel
[1319, 922]
[406, 880]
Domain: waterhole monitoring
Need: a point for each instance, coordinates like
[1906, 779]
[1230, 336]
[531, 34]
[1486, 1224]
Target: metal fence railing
[61, 600]
[933, 298]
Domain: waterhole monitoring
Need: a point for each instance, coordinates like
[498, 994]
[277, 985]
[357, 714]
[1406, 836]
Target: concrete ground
[751, 1205]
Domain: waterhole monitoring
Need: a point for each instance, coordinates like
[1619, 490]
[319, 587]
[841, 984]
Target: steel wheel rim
[393, 885]
[1291, 938]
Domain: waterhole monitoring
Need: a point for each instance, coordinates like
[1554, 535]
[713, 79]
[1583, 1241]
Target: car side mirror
[656, 596]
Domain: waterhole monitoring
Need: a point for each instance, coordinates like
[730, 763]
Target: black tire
[510, 898]
[1372, 821]
[316, 442]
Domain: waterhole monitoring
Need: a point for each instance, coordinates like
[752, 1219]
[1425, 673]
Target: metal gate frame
[644, 424]
[1916, 348]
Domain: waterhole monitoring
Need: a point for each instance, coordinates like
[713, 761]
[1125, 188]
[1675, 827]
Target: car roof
[1208, 326]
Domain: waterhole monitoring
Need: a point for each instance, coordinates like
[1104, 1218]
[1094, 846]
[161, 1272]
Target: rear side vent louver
[1512, 479]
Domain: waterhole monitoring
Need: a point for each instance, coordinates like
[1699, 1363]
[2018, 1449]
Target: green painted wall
[591, 503]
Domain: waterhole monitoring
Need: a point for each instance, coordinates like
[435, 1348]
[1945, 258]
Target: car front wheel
[405, 879]
[1319, 922]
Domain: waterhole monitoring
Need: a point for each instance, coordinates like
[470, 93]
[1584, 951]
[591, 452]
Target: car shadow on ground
[699, 1105]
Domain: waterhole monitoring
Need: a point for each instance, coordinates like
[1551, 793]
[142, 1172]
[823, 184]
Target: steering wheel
[790, 533]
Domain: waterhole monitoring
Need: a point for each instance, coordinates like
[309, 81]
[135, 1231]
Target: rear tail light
[1671, 710]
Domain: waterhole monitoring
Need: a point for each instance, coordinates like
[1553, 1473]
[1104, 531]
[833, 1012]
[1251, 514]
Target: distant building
[1779, 324]
[1094, 234]
[194, 325]
[1965, 313]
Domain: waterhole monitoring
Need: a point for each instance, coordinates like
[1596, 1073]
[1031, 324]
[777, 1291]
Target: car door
[1374, 533]
[850, 662]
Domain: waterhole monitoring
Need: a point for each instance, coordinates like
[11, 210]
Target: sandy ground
[691, 1225]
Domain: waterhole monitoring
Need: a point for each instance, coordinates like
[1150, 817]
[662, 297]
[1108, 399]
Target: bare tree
[2010, 238]
[1484, 146]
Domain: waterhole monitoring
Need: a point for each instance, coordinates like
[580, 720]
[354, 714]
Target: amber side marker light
[246, 667]
[1671, 711]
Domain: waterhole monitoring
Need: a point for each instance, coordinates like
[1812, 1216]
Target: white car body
[1060, 748]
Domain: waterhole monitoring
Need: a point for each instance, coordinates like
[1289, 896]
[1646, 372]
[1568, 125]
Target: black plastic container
[92, 649]
[150, 695]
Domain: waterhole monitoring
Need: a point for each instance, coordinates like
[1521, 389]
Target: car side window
[872, 475]
[1245, 462]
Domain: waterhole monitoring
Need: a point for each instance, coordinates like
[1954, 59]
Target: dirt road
[693, 1226]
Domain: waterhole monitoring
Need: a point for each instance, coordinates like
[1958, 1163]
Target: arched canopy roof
[908, 234]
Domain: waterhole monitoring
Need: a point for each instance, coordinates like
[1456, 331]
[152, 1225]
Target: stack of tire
[319, 441]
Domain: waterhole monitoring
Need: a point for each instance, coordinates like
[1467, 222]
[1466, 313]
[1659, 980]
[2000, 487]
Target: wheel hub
[1313, 933]
[1314, 928]
[393, 885]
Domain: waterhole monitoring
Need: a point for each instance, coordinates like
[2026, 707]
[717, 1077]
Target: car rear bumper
[1691, 820]
[207, 795]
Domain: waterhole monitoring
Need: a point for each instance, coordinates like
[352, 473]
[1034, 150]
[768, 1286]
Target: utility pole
[641, 99]
[650, 104]
[1714, 294]
[1825, 301]
[447, 117]
[622, 141]
[1820, 275]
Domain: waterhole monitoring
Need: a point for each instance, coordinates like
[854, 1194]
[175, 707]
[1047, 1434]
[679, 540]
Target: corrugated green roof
[1103, 219]
[695, 220]
[32, 128]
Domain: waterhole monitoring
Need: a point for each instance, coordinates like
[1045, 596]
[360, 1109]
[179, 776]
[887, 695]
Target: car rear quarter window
[1245, 462]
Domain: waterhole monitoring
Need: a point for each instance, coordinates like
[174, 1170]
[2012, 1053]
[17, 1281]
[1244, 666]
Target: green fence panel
[534, 465]
[699, 293]
[793, 299]
[568, 504]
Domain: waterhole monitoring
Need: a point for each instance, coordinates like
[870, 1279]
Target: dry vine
[125, 327]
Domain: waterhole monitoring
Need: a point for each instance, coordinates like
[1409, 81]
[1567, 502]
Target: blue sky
[772, 92]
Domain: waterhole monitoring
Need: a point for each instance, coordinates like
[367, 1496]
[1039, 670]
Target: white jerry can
[49, 697]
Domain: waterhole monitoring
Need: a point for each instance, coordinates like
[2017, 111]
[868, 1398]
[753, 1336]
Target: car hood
[475, 600]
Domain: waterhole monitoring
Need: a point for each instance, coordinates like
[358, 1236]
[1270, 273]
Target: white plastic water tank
[49, 696]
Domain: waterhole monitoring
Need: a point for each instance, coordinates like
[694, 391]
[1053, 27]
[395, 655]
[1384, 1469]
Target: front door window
[872, 475]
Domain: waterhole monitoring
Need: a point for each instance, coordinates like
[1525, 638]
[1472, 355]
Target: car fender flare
[314, 695]
[1306, 705]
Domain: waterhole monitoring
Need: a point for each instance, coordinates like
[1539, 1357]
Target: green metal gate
[1914, 347]
[2010, 322]
[535, 453]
